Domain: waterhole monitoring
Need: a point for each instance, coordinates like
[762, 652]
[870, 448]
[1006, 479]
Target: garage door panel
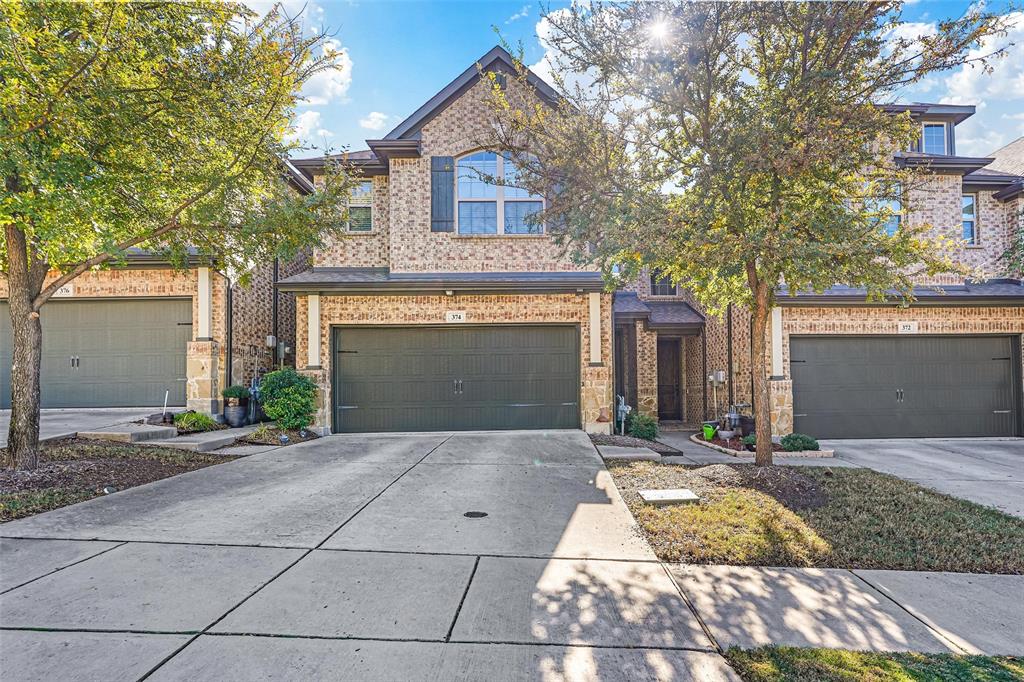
[404, 379]
[953, 386]
[129, 352]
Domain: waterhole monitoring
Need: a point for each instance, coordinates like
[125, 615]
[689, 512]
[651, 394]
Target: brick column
[202, 365]
[646, 370]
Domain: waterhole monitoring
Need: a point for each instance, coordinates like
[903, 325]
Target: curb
[750, 455]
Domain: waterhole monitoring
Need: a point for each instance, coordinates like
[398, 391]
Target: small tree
[152, 125]
[736, 147]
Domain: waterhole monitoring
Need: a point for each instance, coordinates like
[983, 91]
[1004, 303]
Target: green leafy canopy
[154, 125]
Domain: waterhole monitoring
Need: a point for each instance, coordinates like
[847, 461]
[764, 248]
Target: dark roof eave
[684, 328]
[961, 165]
[942, 301]
[399, 288]
[1010, 192]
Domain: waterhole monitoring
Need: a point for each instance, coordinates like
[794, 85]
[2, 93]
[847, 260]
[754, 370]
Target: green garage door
[905, 387]
[437, 379]
[122, 353]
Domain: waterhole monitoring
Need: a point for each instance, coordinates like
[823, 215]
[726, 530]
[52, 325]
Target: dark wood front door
[669, 403]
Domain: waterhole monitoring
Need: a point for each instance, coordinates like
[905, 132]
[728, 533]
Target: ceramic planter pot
[235, 415]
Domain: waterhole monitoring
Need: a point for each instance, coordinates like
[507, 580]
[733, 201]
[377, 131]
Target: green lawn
[778, 664]
[820, 517]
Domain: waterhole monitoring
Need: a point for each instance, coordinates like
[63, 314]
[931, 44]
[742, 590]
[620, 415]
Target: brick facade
[596, 381]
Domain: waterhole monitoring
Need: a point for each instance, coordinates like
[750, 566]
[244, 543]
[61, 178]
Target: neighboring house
[948, 365]
[127, 335]
[439, 309]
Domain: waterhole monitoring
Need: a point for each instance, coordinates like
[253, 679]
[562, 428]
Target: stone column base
[322, 420]
[780, 394]
[202, 366]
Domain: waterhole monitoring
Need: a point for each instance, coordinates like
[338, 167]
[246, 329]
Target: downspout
[704, 366]
[273, 312]
[230, 333]
[728, 343]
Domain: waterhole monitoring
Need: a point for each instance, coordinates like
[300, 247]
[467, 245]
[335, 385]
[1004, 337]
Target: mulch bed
[272, 436]
[631, 442]
[74, 470]
[788, 485]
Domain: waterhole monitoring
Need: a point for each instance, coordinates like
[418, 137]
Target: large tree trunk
[762, 404]
[25, 275]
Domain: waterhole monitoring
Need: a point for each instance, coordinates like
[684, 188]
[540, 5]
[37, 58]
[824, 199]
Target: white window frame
[363, 201]
[977, 211]
[945, 136]
[656, 281]
[498, 199]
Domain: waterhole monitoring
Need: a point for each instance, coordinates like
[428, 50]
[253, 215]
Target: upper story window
[933, 138]
[662, 286]
[486, 208]
[969, 211]
[890, 214]
[360, 208]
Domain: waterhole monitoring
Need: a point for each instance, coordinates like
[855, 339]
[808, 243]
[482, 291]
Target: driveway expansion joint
[465, 593]
[61, 568]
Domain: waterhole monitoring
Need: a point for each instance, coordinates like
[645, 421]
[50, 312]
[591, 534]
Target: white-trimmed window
[933, 138]
[890, 214]
[662, 286]
[360, 207]
[486, 208]
[969, 216]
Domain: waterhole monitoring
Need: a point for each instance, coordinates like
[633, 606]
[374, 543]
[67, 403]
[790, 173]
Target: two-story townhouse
[443, 307]
[839, 366]
[440, 308]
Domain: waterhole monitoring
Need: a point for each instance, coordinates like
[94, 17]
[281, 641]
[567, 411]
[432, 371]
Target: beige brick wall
[362, 249]
[596, 389]
[646, 370]
[404, 241]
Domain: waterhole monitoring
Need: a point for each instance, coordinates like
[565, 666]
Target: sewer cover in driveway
[475, 514]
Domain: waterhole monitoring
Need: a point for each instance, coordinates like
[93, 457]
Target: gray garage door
[107, 353]
[436, 379]
[896, 387]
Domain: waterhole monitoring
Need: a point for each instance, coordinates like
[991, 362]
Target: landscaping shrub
[750, 440]
[273, 384]
[641, 426]
[292, 407]
[195, 421]
[795, 442]
[236, 392]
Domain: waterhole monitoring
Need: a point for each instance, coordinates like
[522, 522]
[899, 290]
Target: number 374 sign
[906, 327]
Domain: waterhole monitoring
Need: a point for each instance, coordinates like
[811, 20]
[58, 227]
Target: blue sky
[397, 54]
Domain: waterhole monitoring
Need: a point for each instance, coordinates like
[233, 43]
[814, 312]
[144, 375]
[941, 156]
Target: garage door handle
[1000, 412]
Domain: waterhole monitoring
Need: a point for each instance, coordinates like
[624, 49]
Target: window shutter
[442, 194]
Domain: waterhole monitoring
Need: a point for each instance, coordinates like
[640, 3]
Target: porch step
[130, 433]
[204, 442]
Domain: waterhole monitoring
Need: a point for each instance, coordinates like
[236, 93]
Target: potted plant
[236, 405]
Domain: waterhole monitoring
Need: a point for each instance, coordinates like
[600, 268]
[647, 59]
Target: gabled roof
[669, 316]
[497, 59]
[1009, 159]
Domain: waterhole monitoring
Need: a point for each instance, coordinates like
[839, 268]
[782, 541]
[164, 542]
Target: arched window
[486, 208]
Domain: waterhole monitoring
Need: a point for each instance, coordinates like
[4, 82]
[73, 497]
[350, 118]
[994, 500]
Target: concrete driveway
[67, 422]
[424, 556]
[986, 471]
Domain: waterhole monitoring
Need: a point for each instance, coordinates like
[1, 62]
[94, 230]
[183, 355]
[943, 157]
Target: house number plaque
[455, 316]
[906, 327]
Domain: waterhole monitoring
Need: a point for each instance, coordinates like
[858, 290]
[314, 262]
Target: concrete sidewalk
[870, 610]
[64, 423]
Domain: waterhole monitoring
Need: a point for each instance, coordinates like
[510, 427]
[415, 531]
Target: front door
[669, 403]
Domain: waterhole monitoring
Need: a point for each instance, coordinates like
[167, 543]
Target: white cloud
[375, 120]
[330, 85]
[521, 14]
[971, 84]
[308, 129]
